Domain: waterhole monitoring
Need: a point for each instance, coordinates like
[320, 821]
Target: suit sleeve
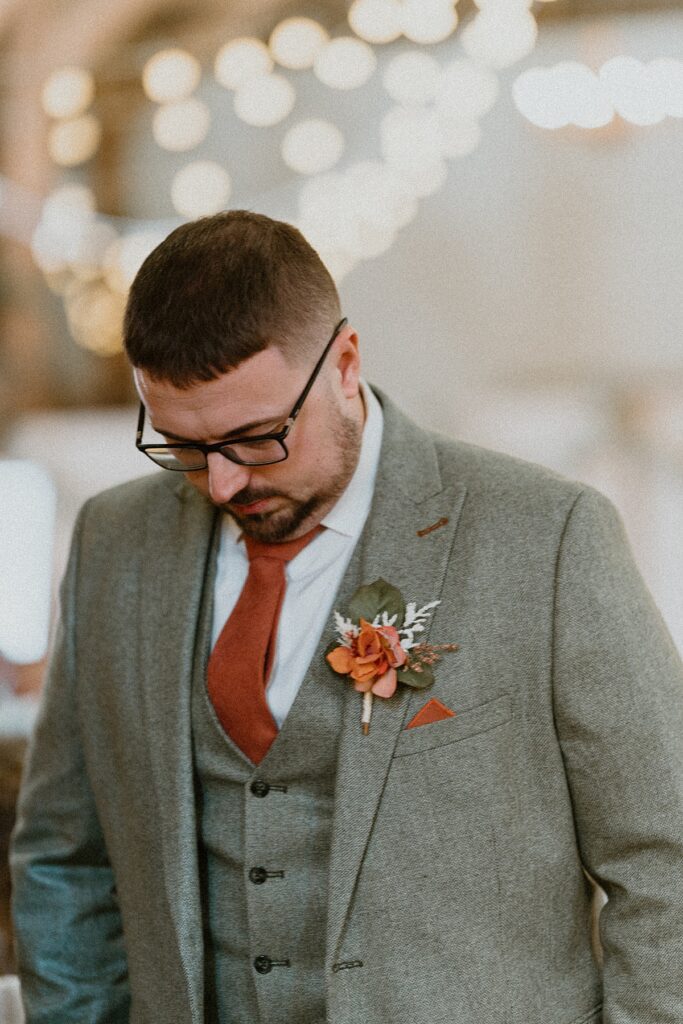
[68, 931]
[618, 691]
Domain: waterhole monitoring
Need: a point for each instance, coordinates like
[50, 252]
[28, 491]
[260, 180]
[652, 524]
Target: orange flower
[371, 660]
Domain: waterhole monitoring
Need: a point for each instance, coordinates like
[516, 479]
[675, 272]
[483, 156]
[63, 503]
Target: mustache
[247, 496]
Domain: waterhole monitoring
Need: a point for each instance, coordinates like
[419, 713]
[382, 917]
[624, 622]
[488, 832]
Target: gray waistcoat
[247, 829]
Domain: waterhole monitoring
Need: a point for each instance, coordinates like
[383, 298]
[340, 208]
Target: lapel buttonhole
[434, 526]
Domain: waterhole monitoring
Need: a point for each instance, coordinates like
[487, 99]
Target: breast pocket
[469, 722]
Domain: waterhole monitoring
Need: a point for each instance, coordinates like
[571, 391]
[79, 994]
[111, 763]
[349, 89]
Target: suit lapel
[171, 597]
[409, 496]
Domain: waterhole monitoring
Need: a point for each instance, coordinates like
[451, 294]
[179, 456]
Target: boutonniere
[377, 648]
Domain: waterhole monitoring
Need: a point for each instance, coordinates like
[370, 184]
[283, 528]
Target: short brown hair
[220, 289]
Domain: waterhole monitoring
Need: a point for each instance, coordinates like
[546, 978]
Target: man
[201, 838]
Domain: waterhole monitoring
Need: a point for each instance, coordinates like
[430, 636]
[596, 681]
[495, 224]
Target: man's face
[284, 500]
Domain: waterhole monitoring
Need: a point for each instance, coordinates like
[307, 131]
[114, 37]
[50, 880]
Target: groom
[206, 833]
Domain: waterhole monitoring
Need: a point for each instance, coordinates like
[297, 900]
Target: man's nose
[225, 477]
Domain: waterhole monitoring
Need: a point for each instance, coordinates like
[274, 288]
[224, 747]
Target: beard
[344, 440]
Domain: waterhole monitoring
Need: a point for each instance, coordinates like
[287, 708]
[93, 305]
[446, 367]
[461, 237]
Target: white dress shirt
[313, 576]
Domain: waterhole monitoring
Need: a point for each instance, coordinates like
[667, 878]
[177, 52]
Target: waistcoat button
[259, 787]
[257, 875]
[263, 964]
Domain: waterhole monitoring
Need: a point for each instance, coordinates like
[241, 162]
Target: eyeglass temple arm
[141, 423]
[295, 411]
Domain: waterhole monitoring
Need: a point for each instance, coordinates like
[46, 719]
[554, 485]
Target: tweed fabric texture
[457, 889]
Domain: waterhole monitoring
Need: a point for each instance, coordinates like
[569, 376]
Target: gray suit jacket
[458, 848]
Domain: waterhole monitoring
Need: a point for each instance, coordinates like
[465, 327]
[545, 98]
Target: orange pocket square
[433, 711]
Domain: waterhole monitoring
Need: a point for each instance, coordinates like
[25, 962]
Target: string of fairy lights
[349, 211]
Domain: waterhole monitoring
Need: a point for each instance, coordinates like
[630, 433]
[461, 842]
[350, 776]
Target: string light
[240, 60]
[312, 146]
[376, 21]
[181, 126]
[499, 37]
[200, 189]
[68, 92]
[73, 142]
[295, 42]
[264, 100]
[427, 21]
[345, 63]
[412, 77]
[171, 75]
[467, 90]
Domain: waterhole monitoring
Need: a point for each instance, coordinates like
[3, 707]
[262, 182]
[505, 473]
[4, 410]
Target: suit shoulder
[496, 476]
[126, 501]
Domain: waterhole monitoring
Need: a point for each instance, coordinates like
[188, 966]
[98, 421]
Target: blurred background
[496, 189]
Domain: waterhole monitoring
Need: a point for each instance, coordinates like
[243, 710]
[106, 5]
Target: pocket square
[433, 711]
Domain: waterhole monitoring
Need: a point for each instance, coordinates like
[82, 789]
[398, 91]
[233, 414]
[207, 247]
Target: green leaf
[375, 598]
[418, 680]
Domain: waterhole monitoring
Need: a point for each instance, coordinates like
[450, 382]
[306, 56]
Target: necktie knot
[283, 552]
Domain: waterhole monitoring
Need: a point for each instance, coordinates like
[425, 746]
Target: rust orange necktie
[242, 657]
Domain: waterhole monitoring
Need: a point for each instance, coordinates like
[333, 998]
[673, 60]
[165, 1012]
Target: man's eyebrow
[233, 433]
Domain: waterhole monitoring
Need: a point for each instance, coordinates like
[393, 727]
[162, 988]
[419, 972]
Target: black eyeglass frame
[219, 446]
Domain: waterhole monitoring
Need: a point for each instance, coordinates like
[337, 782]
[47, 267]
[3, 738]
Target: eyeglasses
[256, 450]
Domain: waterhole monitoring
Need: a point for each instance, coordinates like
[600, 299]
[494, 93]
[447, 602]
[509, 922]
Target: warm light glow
[180, 126]
[312, 146]
[428, 21]
[665, 76]
[95, 317]
[467, 90]
[68, 92]
[240, 60]
[200, 189]
[378, 196]
[171, 75]
[345, 63]
[123, 259]
[425, 179]
[410, 138]
[628, 86]
[499, 37]
[265, 100]
[412, 77]
[295, 42]
[567, 93]
[458, 138]
[73, 142]
[68, 199]
[376, 21]
[27, 513]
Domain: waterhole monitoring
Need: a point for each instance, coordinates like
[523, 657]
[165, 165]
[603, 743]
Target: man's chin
[273, 525]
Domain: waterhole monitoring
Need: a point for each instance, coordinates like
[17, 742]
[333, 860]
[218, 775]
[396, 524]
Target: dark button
[259, 787]
[258, 875]
[263, 964]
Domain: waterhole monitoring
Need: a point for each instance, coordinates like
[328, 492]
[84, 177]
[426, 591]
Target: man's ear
[348, 363]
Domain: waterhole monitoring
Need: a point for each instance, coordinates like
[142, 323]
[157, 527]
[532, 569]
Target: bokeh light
[428, 21]
[312, 146]
[412, 77]
[181, 126]
[264, 100]
[74, 141]
[68, 92]
[242, 59]
[376, 21]
[200, 189]
[171, 75]
[295, 42]
[345, 63]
